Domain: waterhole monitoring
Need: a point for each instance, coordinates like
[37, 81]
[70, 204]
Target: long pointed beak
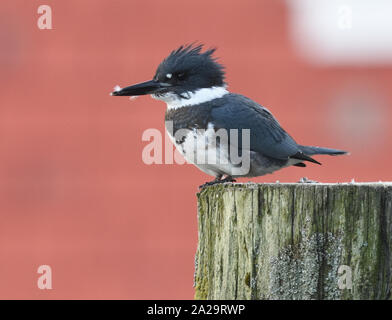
[140, 89]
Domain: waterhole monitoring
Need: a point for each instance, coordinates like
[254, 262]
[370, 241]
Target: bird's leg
[218, 180]
[227, 179]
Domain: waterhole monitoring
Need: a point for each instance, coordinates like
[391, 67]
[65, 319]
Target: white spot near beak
[115, 89]
[169, 75]
[132, 97]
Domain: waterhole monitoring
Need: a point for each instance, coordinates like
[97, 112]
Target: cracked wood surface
[287, 241]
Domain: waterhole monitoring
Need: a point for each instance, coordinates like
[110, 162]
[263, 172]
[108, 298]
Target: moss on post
[287, 241]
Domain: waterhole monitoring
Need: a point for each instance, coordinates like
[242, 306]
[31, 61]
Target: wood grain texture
[287, 241]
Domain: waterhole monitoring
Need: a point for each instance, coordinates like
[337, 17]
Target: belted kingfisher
[191, 82]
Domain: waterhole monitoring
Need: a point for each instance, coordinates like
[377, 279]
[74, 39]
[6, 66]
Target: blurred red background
[74, 191]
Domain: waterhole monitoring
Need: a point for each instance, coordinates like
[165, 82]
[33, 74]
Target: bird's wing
[266, 135]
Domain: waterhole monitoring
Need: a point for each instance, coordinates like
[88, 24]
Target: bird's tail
[309, 150]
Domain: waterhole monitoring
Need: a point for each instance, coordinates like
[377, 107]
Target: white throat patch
[197, 97]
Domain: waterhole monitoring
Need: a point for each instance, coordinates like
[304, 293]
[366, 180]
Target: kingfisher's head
[185, 77]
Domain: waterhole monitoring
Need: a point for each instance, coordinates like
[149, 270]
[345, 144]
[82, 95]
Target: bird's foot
[218, 180]
[228, 179]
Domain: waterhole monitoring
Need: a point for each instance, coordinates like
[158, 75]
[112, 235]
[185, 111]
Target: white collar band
[199, 96]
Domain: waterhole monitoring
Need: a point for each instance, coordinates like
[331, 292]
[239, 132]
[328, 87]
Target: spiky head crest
[188, 69]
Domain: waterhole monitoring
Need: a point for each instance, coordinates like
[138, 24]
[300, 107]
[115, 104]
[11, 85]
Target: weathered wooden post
[294, 241]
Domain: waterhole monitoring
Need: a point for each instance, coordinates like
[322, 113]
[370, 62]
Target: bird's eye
[169, 75]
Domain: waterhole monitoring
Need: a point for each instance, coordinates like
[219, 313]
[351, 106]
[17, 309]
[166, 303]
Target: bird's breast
[191, 117]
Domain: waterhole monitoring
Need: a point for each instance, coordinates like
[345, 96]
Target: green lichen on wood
[287, 241]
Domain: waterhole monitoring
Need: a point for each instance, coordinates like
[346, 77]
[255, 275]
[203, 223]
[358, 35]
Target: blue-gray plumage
[200, 107]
